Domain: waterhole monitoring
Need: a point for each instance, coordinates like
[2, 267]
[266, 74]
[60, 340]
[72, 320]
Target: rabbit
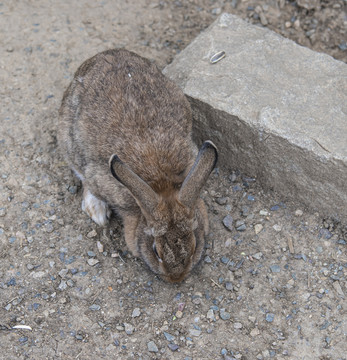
[126, 131]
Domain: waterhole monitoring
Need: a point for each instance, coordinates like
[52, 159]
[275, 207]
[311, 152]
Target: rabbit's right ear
[198, 174]
[148, 199]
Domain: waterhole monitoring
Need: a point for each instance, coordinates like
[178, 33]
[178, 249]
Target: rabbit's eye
[156, 253]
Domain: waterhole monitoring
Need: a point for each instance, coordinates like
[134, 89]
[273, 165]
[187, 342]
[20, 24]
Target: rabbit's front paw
[95, 208]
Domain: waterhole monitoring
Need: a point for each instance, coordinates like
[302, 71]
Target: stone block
[276, 110]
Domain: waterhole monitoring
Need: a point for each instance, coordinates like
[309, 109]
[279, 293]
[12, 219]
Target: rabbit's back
[121, 103]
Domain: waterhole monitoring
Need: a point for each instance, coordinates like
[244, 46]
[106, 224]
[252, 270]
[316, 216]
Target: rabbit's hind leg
[97, 209]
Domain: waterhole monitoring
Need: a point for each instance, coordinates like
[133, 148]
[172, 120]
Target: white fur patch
[95, 208]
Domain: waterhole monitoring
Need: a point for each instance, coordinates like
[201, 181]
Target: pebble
[173, 347]
[152, 347]
[100, 246]
[263, 19]
[229, 286]
[62, 286]
[258, 255]
[222, 200]
[254, 332]
[241, 228]
[91, 253]
[92, 234]
[30, 266]
[269, 317]
[237, 325]
[129, 329]
[224, 315]
[195, 332]
[92, 261]
[210, 315]
[277, 227]
[245, 211]
[168, 336]
[228, 222]
[179, 314]
[299, 212]
[207, 259]
[95, 307]
[2, 212]
[62, 273]
[136, 313]
[264, 213]
[258, 228]
[224, 260]
[275, 268]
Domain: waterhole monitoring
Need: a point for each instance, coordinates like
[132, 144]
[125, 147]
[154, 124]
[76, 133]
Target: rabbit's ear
[198, 174]
[143, 193]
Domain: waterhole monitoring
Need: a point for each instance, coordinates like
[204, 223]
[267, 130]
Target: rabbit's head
[170, 234]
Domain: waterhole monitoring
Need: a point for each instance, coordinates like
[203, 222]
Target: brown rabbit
[125, 130]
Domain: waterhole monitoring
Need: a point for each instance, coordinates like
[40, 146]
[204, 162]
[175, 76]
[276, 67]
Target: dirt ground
[272, 287]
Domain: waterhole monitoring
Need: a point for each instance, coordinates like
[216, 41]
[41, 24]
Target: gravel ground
[272, 283]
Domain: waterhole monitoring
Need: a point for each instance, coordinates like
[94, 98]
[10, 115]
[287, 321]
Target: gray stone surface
[276, 110]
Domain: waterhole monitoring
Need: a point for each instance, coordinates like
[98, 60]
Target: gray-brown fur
[120, 103]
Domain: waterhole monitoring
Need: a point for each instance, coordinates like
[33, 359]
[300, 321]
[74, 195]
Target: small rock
[95, 307]
[73, 189]
[269, 317]
[136, 313]
[240, 225]
[254, 332]
[224, 260]
[258, 228]
[224, 315]
[216, 11]
[237, 325]
[263, 19]
[173, 347]
[308, 4]
[258, 255]
[179, 314]
[62, 273]
[207, 259]
[62, 286]
[92, 261]
[195, 332]
[229, 286]
[91, 253]
[2, 212]
[277, 227]
[222, 200]
[228, 222]
[92, 234]
[169, 337]
[299, 213]
[228, 243]
[275, 268]
[152, 347]
[100, 246]
[129, 329]
[263, 213]
[210, 315]
[245, 211]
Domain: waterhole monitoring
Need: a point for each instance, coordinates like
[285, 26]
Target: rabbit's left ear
[148, 199]
[198, 174]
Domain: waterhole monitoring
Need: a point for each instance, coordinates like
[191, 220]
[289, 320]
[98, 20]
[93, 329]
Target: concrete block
[276, 110]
